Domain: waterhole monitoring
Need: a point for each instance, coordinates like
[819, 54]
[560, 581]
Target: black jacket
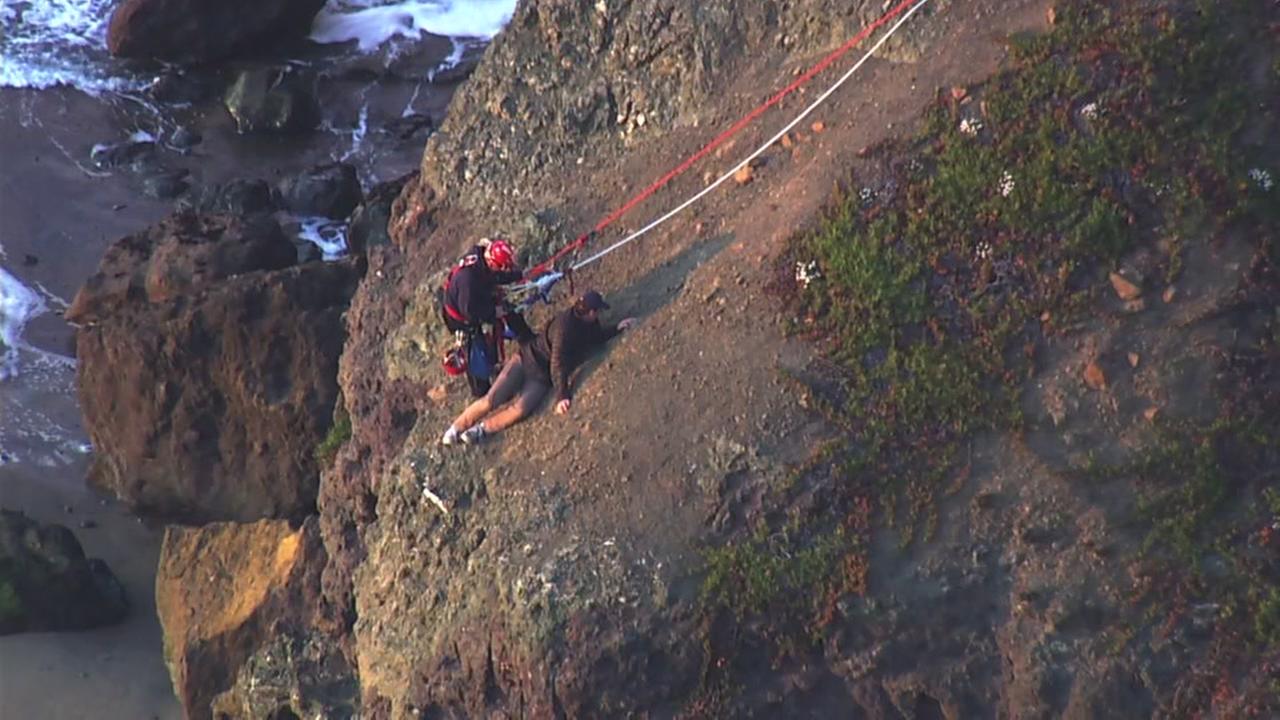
[562, 346]
[472, 289]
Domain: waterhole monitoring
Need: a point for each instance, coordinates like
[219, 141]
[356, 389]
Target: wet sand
[53, 212]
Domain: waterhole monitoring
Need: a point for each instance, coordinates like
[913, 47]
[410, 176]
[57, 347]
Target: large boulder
[194, 31]
[207, 377]
[226, 590]
[271, 100]
[47, 584]
[331, 190]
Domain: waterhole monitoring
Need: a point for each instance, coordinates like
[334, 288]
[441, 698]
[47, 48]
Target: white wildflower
[983, 251]
[1006, 184]
[1262, 179]
[970, 127]
[807, 272]
[1090, 111]
[866, 195]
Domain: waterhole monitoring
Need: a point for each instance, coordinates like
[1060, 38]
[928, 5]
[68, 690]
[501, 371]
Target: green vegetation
[997, 224]
[338, 435]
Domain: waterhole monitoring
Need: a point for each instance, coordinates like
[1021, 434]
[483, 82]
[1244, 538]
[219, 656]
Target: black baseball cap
[592, 300]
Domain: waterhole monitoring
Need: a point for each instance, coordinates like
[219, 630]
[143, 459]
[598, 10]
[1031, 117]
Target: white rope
[769, 143]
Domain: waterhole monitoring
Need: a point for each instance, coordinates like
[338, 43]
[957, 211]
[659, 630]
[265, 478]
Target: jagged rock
[192, 31]
[179, 255]
[207, 376]
[225, 591]
[1125, 289]
[369, 222]
[270, 100]
[47, 584]
[294, 675]
[165, 185]
[331, 191]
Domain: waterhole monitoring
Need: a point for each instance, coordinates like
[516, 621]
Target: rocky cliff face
[208, 368]
[570, 80]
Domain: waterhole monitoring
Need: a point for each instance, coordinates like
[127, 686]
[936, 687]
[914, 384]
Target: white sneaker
[450, 436]
[474, 435]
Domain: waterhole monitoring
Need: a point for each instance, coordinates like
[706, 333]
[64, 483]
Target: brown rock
[197, 31]
[818, 126]
[1125, 289]
[1170, 293]
[787, 142]
[438, 394]
[744, 175]
[222, 590]
[1151, 413]
[1052, 16]
[1094, 377]
[206, 392]
[1133, 359]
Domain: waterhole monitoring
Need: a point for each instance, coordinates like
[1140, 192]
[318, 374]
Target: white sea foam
[373, 22]
[18, 304]
[328, 235]
[46, 43]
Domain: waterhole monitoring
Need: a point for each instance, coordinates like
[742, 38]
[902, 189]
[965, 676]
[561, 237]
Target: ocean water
[48, 43]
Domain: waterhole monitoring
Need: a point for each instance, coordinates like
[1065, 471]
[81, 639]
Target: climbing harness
[537, 288]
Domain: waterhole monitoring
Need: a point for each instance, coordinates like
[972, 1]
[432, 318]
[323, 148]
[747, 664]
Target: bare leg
[531, 394]
[507, 384]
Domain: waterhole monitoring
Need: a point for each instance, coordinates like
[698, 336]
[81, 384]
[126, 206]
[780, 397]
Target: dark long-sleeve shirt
[567, 340]
[472, 290]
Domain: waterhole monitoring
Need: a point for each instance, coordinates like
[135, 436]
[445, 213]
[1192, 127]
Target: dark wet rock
[178, 86]
[226, 591]
[237, 197]
[309, 252]
[122, 153]
[406, 127]
[206, 373]
[331, 191]
[47, 584]
[194, 31]
[166, 185]
[184, 138]
[271, 100]
[369, 222]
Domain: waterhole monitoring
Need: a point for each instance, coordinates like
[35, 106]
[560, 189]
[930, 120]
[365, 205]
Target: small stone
[1094, 377]
[1135, 306]
[88, 524]
[68, 509]
[818, 126]
[1133, 359]
[1170, 293]
[1125, 289]
[1151, 413]
[438, 393]
[744, 175]
[1052, 16]
[787, 142]
[30, 260]
[707, 177]
[1045, 316]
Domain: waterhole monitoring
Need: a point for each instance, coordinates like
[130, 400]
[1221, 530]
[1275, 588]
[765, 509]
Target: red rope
[720, 140]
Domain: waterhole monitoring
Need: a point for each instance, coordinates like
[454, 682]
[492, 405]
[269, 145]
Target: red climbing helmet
[499, 255]
[454, 362]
